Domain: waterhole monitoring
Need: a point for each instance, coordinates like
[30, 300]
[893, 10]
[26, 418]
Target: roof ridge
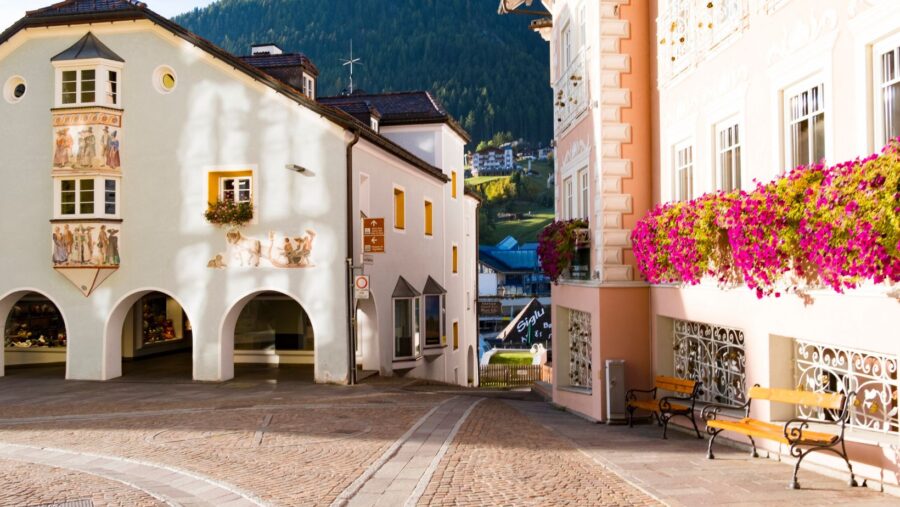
[69, 3]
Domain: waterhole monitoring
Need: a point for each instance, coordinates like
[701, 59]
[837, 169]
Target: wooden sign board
[373, 235]
[490, 308]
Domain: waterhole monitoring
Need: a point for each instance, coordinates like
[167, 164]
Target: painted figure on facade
[87, 147]
[243, 251]
[60, 255]
[111, 149]
[104, 143]
[80, 246]
[63, 152]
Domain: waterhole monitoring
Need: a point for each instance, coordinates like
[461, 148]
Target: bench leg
[709, 453]
[694, 422]
[852, 482]
[630, 416]
[799, 454]
[753, 453]
[665, 422]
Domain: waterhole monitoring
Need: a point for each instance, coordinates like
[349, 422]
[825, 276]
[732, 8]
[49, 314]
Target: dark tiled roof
[69, 7]
[404, 289]
[87, 48]
[401, 108]
[283, 60]
[432, 288]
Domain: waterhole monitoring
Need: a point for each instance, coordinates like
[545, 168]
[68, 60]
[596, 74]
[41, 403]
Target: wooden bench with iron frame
[795, 432]
[666, 407]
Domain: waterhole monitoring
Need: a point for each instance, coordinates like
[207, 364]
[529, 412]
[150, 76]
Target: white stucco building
[493, 161]
[121, 129]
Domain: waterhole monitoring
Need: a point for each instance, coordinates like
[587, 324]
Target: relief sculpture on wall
[278, 251]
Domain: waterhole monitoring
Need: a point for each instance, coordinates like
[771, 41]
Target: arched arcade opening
[35, 337]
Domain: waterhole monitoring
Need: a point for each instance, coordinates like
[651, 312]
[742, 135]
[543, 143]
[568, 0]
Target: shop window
[274, 322]
[34, 323]
[399, 209]
[713, 355]
[455, 334]
[805, 110]
[454, 183]
[162, 321]
[872, 376]
[728, 147]
[684, 172]
[406, 327]
[434, 320]
[429, 219]
[887, 93]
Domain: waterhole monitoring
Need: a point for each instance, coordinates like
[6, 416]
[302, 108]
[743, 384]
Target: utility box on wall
[615, 391]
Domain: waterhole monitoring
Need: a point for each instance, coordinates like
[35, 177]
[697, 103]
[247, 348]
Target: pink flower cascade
[816, 227]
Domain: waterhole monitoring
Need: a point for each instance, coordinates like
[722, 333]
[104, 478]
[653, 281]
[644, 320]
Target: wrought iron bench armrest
[793, 429]
[713, 410]
[629, 394]
[665, 403]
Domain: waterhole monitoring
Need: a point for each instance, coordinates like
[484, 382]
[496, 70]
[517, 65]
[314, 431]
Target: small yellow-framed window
[455, 334]
[234, 186]
[429, 218]
[399, 209]
[453, 181]
[455, 259]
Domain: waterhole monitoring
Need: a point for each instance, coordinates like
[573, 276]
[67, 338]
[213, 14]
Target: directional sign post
[373, 235]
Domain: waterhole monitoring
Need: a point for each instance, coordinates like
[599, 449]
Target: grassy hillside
[526, 198]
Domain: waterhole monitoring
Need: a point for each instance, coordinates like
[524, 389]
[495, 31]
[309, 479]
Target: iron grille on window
[872, 376]
[713, 355]
[580, 349]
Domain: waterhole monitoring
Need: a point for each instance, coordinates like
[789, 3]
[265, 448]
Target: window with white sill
[89, 86]
[585, 191]
[684, 172]
[887, 90]
[236, 189]
[728, 155]
[87, 197]
[804, 108]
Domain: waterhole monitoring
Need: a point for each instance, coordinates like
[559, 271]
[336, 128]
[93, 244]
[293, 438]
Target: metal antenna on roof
[351, 62]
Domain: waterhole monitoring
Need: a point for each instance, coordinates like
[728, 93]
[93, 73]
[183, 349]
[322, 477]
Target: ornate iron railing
[713, 355]
[580, 349]
[873, 376]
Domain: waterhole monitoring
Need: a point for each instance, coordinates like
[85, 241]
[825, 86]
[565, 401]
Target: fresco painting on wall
[85, 245]
[87, 140]
[286, 252]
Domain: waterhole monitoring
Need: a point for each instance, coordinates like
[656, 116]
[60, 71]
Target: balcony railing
[571, 97]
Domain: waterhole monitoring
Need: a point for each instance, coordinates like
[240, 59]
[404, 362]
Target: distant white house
[493, 161]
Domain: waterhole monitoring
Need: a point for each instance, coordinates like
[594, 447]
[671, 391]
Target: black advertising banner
[531, 325]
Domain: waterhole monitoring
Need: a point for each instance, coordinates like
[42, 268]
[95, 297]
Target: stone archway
[367, 346]
[148, 323]
[472, 368]
[268, 329]
[35, 329]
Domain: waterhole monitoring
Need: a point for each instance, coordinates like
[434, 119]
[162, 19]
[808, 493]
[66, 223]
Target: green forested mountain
[490, 71]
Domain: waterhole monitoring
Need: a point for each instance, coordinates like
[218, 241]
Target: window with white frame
[585, 190]
[238, 189]
[887, 90]
[112, 87]
[81, 86]
[728, 155]
[582, 20]
[407, 320]
[569, 199]
[805, 130]
[567, 46]
[684, 171]
[80, 197]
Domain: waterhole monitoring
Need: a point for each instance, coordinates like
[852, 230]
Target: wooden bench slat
[675, 385]
[653, 405]
[757, 428]
[832, 401]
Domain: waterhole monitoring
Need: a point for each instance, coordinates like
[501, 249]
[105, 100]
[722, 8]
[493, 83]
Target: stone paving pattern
[501, 457]
[30, 484]
[282, 441]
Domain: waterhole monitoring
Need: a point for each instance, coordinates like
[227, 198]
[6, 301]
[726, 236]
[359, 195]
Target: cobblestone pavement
[30, 484]
[677, 471]
[501, 457]
[285, 442]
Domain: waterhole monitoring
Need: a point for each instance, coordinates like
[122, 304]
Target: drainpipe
[351, 311]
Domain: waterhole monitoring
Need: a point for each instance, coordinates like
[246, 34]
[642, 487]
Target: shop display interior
[273, 322]
[156, 324]
[34, 322]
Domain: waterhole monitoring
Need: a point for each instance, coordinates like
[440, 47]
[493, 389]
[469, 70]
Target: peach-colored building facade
[661, 100]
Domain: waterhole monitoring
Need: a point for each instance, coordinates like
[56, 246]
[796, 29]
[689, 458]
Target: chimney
[268, 48]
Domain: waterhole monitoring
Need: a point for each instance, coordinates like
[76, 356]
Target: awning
[432, 288]
[403, 289]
